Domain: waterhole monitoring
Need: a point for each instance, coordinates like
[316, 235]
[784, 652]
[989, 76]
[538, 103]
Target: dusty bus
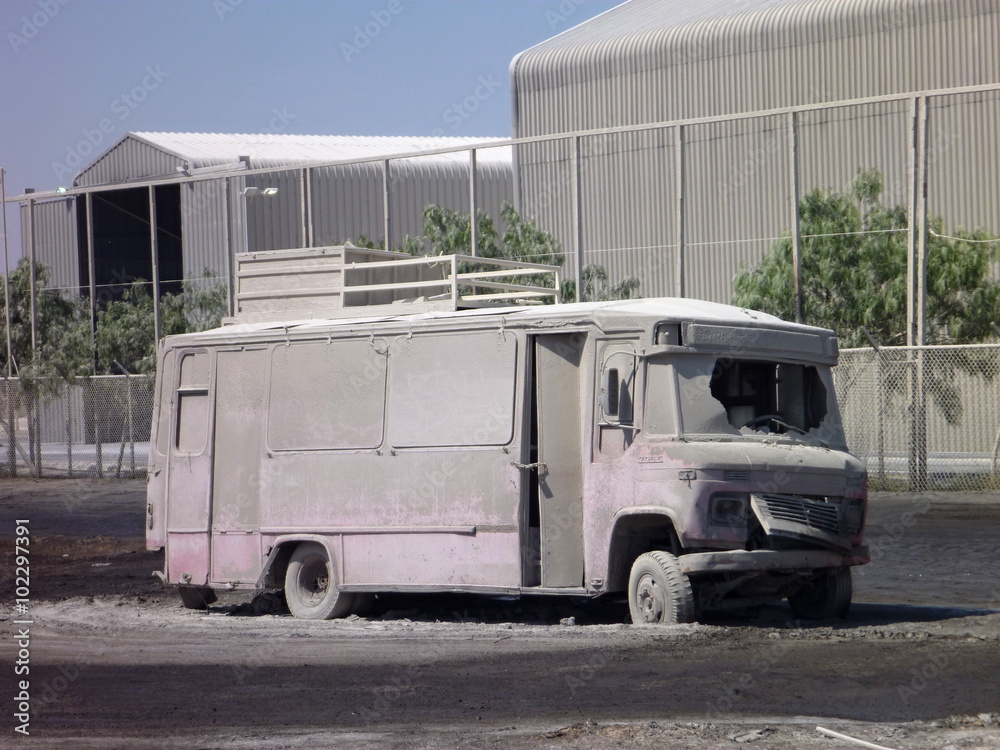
[336, 439]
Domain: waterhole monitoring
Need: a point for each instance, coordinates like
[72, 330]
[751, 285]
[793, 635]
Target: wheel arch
[273, 573]
[635, 531]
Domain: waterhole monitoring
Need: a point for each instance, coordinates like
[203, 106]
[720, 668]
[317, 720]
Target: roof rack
[346, 281]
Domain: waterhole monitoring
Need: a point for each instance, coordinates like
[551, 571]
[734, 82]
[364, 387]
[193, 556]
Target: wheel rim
[649, 597]
[313, 581]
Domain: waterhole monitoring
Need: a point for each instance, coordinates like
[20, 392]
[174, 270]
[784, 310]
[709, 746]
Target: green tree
[125, 328]
[854, 271]
[854, 252]
[124, 334]
[61, 330]
[199, 306]
[597, 288]
[61, 352]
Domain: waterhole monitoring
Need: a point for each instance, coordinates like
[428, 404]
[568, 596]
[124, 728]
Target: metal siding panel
[347, 199]
[962, 183]
[56, 243]
[625, 227]
[346, 203]
[129, 159]
[203, 219]
[274, 221]
[736, 200]
[637, 65]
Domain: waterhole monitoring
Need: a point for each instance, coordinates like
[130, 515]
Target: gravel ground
[117, 663]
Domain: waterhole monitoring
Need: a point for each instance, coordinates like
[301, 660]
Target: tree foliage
[125, 328]
[854, 251]
[199, 306]
[124, 334]
[448, 232]
[62, 348]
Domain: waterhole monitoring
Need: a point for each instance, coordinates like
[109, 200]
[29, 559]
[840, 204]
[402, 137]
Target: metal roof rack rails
[345, 281]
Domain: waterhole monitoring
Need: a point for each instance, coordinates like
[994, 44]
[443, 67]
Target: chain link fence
[920, 418]
[923, 418]
[93, 427]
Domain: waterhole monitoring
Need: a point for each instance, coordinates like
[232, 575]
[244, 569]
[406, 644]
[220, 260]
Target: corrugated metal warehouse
[653, 61]
[211, 208]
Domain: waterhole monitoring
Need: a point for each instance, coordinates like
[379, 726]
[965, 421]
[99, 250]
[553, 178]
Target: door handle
[542, 468]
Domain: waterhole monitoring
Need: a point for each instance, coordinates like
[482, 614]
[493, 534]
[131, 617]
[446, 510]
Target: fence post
[577, 209]
[879, 372]
[916, 326]
[387, 204]
[154, 258]
[473, 208]
[68, 400]
[793, 173]
[679, 208]
[131, 426]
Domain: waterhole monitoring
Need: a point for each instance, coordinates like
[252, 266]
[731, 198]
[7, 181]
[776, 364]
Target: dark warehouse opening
[122, 250]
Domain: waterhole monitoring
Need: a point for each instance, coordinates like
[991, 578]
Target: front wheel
[659, 592]
[311, 585]
[827, 596]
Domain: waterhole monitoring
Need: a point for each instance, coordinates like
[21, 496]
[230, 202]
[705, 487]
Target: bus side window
[616, 428]
[192, 403]
[618, 389]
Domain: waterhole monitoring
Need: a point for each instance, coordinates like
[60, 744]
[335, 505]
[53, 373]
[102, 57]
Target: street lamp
[253, 192]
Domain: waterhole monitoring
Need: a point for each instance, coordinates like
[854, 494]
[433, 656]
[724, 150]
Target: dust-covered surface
[117, 663]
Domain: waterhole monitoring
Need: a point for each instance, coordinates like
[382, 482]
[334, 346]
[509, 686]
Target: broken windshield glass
[727, 396]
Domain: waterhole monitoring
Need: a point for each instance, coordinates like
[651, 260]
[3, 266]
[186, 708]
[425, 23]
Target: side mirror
[610, 389]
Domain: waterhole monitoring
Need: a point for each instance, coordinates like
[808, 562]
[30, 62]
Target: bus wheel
[658, 592]
[827, 596]
[311, 585]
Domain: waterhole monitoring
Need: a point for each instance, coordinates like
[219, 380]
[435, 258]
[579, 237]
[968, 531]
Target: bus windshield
[757, 397]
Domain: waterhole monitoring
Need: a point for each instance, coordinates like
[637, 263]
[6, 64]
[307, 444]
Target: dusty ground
[117, 663]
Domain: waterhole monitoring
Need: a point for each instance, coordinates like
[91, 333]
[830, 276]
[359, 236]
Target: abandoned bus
[336, 439]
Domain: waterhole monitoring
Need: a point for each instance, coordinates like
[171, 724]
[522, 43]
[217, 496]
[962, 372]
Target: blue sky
[76, 75]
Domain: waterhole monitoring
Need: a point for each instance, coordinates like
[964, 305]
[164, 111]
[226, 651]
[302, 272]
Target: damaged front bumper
[739, 561]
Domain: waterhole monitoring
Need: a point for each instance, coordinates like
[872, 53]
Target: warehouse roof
[658, 60]
[145, 155]
[762, 23]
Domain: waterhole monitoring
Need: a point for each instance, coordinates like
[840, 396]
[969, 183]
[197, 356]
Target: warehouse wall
[627, 70]
[56, 241]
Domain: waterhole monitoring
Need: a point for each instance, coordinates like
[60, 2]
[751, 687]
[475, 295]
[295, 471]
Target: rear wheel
[658, 592]
[311, 585]
[829, 595]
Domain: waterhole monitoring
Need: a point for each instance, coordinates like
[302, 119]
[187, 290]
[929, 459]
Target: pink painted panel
[485, 559]
[236, 557]
[188, 554]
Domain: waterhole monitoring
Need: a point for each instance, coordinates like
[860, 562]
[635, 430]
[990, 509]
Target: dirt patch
[117, 663]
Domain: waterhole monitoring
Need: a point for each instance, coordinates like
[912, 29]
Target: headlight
[853, 510]
[728, 509]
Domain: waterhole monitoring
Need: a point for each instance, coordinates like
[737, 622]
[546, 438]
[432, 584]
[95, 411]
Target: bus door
[555, 493]
[189, 469]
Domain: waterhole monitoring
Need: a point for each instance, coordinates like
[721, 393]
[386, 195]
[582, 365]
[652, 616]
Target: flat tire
[311, 585]
[659, 593]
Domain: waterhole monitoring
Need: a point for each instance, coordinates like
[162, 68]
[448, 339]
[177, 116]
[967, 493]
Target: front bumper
[739, 561]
